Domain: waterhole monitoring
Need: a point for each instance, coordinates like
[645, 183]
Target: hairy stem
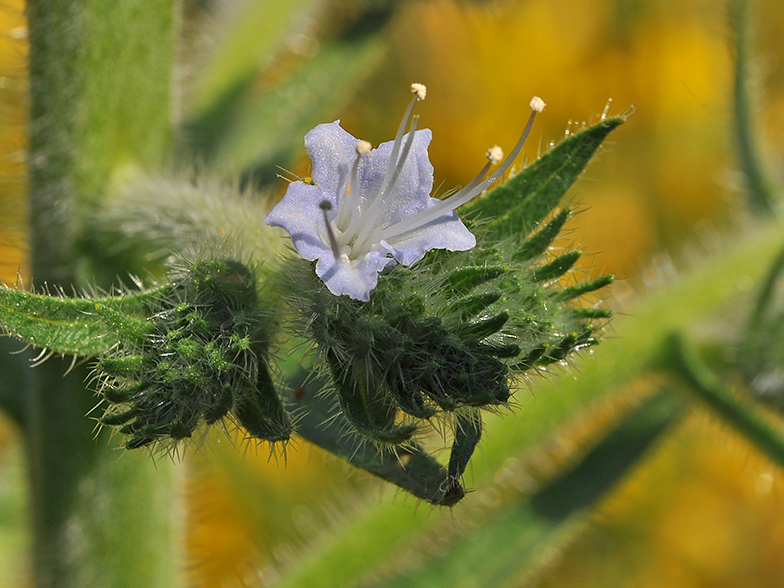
[760, 188]
[744, 417]
[100, 101]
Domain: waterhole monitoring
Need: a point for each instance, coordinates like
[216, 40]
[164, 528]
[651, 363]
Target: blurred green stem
[741, 415]
[760, 189]
[15, 377]
[526, 528]
[100, 83]
[766, 295]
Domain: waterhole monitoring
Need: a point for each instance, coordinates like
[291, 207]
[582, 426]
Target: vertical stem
[761, 191]
[100, 104]
[741, 415]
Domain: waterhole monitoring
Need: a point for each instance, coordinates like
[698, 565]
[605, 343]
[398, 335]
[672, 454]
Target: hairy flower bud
[198, 358]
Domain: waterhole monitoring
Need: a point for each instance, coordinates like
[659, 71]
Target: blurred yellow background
[706, 510]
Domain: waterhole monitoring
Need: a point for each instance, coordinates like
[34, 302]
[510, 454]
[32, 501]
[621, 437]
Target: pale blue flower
[368, 209]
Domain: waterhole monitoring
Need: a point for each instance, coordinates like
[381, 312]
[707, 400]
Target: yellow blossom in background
[13, 121]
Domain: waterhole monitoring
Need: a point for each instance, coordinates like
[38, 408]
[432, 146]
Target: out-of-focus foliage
[13, 117]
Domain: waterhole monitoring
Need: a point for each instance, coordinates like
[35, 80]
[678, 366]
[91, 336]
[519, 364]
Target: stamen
[375, 209]
[399, 138]
[325, 206]
[474, 188]
[495, 154]
[404, 155]
[420, 90]
[537, 104]
[349, 203]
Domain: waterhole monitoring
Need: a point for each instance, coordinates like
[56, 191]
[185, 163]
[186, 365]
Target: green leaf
[500, 551]
[592, 476]
[253, 34]
[269, 129]
[471, 306]
[63, 325]
[462, 281]
[741, 415]
[483, 328]
[72, 326]
[556, 268]
[572, 292]
[515, 207]
[537, 244]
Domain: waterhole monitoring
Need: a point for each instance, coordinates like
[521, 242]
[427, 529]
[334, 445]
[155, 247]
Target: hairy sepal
[198, 357]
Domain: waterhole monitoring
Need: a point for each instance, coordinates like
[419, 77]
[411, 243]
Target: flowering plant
[380, 212]
[413, 319]
[398, 328]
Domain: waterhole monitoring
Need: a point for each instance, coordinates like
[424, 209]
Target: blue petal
[446, 232]
[411, 192]
[353, 278]
[298, 213]
[332, 151]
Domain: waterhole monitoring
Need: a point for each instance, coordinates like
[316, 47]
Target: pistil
[349, 203]
[326, 206]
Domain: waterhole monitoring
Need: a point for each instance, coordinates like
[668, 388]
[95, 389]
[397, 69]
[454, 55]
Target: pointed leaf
[64, 325]
[515, 207]
[471, 306]
[556, 268]
[537, 244]
[73, 326]
[572, 292]
[465, 279]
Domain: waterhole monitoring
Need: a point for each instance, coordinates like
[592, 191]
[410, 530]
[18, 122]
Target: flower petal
[412, 189]
[446, 232]
[298, 213]
[332, 151]
[353, 278]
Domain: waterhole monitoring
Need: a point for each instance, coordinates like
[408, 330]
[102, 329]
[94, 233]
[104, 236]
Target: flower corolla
[367, 209]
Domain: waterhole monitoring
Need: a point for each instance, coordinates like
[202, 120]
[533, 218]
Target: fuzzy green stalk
[761, 191]
[100, 83]
[743, 416]
[766, 295]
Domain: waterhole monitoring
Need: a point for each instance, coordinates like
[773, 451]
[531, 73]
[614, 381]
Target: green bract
[199, 357]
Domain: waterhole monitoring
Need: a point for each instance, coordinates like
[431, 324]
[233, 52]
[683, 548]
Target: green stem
[761, 190]
[766, 294]
[741, 415]
[100, 102]
[15, 377]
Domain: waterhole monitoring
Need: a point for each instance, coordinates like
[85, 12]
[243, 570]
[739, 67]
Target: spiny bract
[199, 357]
[446, 336]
